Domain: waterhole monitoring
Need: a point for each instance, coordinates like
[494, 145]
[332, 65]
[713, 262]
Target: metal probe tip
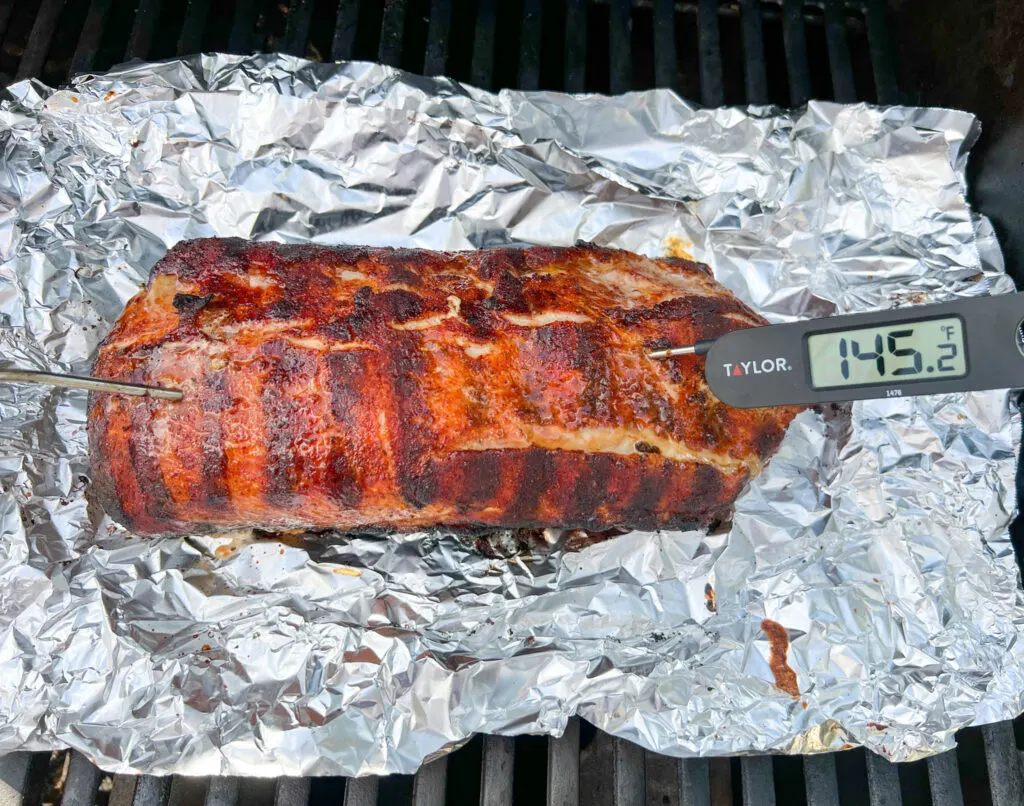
[690, 349]
[93, 384]
[698, 348]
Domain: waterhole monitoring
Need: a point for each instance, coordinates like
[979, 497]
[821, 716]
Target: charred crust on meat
[279, 425]
[495, 263]
[478, 319]
[361, 321]
[590, 490]
[467, 477]
[703, 310]
[190, 303]
[285, 308]
[400, 305]
[708, 482]
[537, 466]
[645, 447]
[768, 436]
[508, 294]
[401, 274]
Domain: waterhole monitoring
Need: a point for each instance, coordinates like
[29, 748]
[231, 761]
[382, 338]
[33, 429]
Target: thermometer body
[956, 346]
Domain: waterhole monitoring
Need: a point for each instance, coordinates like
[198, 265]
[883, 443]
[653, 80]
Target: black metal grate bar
[151, 790]
[296, 34]
[575, 45]
[5, 17]
[694, 785]
[482, 71]
[620, 47]
[820, 782]
[496, 775]
[944, 780]
[241, 40]
[392, 31]
[345, 29]
[222, 791]
[665, 64]
[361, 791]
[292, 792]
[438, 34]
[880, 45]
[563, 785]
[720, 780]
[1004, 765]
[712, 91]
[123, 790]
[185, 790]
[630, 785]
[755, 76]
[14, 769]
[429, 787]
[795, 38]
[82, 782]
[39, 40]
[883, 781]
[758, 787]
[84, 57]
[191, 38]
[529, 45]
[843, 87]
[140, 43]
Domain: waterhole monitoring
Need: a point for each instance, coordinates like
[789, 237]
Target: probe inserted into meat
[356, 387]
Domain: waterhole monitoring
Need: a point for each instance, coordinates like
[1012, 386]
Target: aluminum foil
[876, 538]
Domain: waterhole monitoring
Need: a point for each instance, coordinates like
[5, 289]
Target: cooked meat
[363, 387]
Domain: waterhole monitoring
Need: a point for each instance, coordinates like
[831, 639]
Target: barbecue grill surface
[744, 51]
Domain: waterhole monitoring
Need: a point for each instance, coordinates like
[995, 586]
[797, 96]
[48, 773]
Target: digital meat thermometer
[957, 346]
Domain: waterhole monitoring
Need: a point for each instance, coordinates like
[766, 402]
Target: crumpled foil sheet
[876, 538]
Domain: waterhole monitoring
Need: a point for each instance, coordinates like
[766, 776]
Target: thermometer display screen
[928, 350]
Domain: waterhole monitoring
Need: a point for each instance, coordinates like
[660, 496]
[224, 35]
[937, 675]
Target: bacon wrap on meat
[354, 387]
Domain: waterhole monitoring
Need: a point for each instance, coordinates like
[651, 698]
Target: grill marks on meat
[352, 387]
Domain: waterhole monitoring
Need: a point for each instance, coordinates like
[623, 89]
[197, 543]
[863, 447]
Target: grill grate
[784, 52]
[705, 49]
[498, 771]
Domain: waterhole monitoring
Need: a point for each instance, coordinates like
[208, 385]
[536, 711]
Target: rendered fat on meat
[352, 387]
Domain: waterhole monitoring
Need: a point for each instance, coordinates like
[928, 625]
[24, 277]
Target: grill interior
[783, 52]
[742, 51]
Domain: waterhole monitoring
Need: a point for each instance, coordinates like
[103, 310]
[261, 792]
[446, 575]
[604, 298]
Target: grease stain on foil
[778, 642]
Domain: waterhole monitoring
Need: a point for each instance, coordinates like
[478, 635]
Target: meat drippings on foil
[505, 543]
[778, 640]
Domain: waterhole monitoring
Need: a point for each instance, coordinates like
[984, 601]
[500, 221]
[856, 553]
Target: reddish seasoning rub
[785, 678]
[878, 726]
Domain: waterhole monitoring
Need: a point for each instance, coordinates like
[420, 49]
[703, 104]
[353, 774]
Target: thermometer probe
[960, 346]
